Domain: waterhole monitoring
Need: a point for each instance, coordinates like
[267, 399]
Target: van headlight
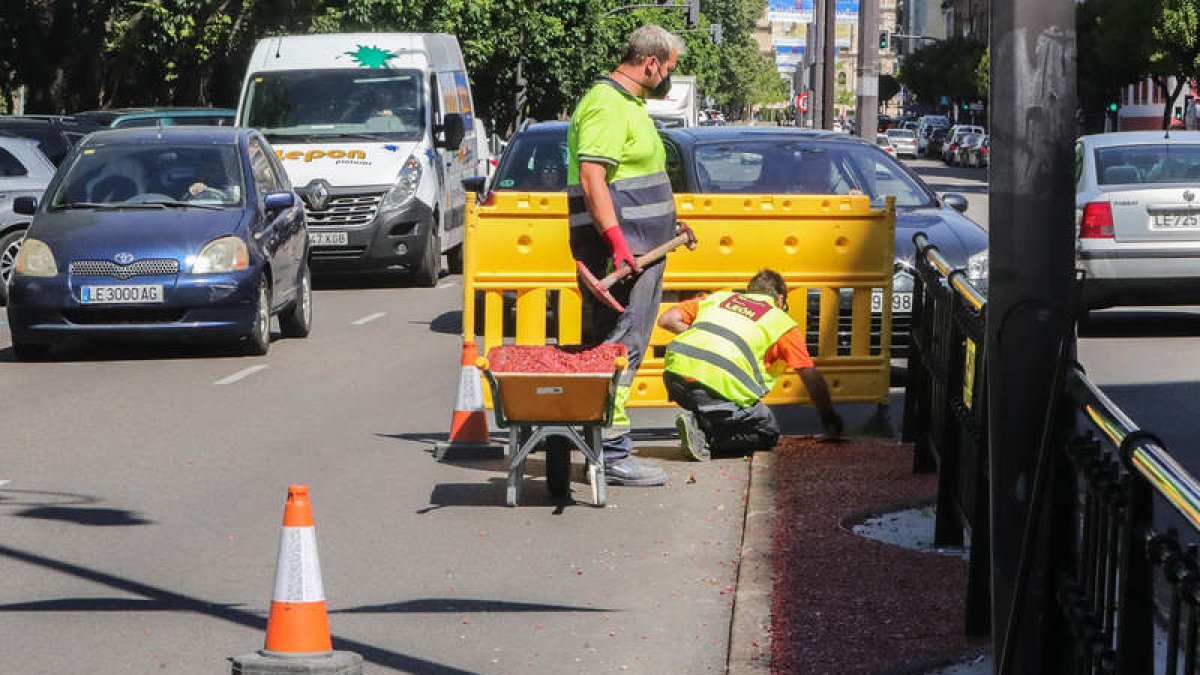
[977, 268]
[35, 259]
[227, 254]
[406, 186]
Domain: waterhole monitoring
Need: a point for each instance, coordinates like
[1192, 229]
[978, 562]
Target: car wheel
[26, 351]
[296, 322]
[10, 246]
[259, 340]
[454, 259]
[430, 269]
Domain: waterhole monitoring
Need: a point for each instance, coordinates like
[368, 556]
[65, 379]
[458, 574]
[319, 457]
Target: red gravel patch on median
[849, 605]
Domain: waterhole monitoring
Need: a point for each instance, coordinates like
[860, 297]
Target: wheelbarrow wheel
[558, 469]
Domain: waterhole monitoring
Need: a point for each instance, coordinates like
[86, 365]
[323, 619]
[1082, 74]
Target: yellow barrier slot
[518, 260]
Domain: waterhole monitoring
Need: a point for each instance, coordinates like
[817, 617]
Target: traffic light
[883, 39]
[966, 106]
[693, 13]
[1112, 107]
[717, 34]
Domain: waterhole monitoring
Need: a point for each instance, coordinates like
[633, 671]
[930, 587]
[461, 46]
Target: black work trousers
[729, 427]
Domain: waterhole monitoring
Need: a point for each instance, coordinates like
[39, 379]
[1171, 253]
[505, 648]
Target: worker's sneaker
[634, 472]
[692, 437]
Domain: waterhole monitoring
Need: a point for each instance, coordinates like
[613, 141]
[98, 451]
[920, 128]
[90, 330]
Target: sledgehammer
[599, 287]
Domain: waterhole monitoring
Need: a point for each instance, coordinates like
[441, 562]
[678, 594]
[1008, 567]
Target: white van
[678, 109]
[377, 132]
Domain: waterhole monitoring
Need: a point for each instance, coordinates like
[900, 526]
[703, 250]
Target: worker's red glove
[620, 249]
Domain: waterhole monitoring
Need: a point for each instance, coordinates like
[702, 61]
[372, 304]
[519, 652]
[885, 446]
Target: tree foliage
[80, 54]
[945, 68]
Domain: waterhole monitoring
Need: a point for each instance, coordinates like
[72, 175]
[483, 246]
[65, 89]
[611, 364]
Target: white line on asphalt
[241, 374]
[448, 284]
[369, 318]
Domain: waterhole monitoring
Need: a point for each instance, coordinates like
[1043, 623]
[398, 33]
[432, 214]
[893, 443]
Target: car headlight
[227, 254]
[406, 185]
[977, 267]
[35, 259]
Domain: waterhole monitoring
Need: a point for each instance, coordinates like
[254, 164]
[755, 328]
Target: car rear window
[1148, 164]
[536, 162]
[901, 133]
[804, 167]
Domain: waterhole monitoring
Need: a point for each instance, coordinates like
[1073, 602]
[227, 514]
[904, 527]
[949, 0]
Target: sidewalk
[814, 597]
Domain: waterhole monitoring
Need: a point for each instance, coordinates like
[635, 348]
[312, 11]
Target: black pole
[829, 49]
[1031, 266]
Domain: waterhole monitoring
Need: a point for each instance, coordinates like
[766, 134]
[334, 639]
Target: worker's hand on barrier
[620, 249]
[832, 423]
[680, 228]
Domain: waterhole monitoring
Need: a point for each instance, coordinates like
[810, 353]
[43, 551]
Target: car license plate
[1182, 220]
[328, 238]
[901, 302]
[120, 295]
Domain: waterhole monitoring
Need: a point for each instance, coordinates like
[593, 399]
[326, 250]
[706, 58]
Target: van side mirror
[453, 130]
[955, 201]
[278, 201]
[25, 206]
[475, 184]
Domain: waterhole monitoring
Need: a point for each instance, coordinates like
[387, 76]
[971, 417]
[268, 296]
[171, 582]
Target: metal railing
[1114, 568]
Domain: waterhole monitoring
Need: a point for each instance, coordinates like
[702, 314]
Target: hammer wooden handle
[646, 258]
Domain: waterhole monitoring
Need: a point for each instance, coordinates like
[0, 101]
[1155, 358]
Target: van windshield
[301, 105]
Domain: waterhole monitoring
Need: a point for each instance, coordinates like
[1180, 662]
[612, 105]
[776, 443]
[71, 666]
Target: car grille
[122, 315]
[901, 329]
[139, 268]
[322, 252]
[345, 211]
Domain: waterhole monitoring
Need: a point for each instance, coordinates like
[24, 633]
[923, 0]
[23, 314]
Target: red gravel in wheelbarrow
[554, 359]
[844, 604]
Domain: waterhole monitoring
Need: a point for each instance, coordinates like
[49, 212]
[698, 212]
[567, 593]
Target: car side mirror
[25, 206]
[453, 130]
[278, 201]
[475, 184]
[955, 201]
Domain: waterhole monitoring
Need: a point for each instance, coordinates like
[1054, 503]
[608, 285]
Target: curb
[750, 630]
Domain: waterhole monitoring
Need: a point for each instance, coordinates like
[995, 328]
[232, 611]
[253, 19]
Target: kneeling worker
[730, 349]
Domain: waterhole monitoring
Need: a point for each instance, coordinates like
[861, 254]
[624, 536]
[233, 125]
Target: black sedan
[163, 232]
[785, 160]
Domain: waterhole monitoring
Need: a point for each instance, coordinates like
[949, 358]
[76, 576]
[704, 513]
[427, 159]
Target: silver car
[1137, 218]
[24, 172]
[904, 141]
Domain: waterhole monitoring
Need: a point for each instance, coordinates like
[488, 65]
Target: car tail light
[983, 150]
[953, 146]
[1097, 222]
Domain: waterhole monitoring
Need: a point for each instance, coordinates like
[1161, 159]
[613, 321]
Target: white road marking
[448, 284]
[4, 482]
[241, 374]
[369, 318]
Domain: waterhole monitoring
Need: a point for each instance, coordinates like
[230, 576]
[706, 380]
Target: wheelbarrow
[538, 408]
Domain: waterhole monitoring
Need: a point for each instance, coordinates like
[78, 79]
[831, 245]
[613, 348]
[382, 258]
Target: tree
[1176, 49]
[889, 86]
[945, 68]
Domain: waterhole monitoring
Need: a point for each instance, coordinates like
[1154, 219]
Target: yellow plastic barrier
[519, 277]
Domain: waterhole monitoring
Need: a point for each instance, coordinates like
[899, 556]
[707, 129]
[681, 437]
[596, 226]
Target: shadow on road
[458, 605]
[160, 599]
[1140, 323]
[68, 508]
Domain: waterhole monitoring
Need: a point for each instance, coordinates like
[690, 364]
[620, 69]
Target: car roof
[1140, 138]
[715, 134]
[110, 115]
[545, 127]
[171, 134]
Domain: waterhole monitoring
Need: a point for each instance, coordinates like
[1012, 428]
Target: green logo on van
[371, 57]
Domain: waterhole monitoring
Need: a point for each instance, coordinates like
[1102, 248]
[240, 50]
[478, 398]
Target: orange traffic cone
[469, 426]
[298, 623]
[298, 626]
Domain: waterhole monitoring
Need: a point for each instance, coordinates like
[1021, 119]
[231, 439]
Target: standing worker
[621, 206]
[730, 349]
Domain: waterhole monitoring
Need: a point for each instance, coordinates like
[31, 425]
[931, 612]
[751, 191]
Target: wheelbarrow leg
[595, 466]
[518, 439]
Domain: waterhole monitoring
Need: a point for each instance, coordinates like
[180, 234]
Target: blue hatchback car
[174, 232]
